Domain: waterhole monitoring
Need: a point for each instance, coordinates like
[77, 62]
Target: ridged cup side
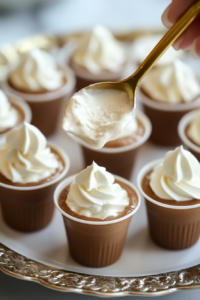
[28, 218]
[173, 229]
[116, 163]
[27, 210]
[96, 245]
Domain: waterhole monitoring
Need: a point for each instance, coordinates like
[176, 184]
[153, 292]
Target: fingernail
[164, 18]
[178, 42]
[194, 51]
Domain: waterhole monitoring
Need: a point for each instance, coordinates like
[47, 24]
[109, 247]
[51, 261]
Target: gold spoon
[130, 84]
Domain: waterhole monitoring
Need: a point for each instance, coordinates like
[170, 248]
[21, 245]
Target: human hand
[190, 38]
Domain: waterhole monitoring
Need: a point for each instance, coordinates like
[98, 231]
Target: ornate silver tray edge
[19, 266]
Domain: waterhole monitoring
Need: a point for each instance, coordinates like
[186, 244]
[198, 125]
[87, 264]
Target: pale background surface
[69, 16]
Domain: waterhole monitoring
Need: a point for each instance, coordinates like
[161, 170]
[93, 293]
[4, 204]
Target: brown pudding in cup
[118, 156]
[45, 105]
[29, 206]
[97, 57]
[94, 242]
[23, 111]
[165, 118]
[183, 127]
[167, 93]
[173, 224]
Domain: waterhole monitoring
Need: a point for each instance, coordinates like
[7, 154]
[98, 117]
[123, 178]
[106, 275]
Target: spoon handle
[167, 41]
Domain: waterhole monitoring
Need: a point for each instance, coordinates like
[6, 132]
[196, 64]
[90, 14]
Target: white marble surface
[68, 16]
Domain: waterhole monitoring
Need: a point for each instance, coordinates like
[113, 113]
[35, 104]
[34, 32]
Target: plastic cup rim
[66, 159]
[148, 128]
[23, 106]
[70, 179]
[50, 95]
[168, 106]
[183, 123]
[102, 76]
[145, 169]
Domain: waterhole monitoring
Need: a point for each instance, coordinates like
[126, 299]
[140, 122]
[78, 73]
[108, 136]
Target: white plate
[140, 256]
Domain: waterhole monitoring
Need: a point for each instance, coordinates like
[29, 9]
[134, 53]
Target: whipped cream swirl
[94, 194]
[25, 157]
[193, 131]
[8, 114]
[173, 83]
[143, 45]
[99, 51]
[130, 128]
[177, 177]
[37, 71]
[97, 116]
[9, 58]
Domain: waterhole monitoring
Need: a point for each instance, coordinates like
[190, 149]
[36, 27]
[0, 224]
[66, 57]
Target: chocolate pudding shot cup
[165, 118]
[175, 226]
[182, 130]
[46, 105]
[29, 207]
[24, 114]
[96, 243]
[96, 57]
[118, 160]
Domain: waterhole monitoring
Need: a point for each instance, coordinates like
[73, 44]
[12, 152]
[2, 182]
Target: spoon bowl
[127, 86]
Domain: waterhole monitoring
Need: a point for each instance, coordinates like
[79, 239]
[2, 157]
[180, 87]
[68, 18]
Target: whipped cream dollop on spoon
[97, 116]
[99, 113]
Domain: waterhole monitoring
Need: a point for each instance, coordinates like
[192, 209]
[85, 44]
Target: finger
[177, 8]
[168, 24]
[179, 41]
[164, 17]
[186, 40]
[190, 34]
[195, 49]
[171, 14]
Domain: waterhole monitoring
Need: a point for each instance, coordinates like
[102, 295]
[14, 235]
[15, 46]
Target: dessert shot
[189, 132]
[167, 93]
[43, 85]
[98, 57]
[119, 155]
[97, 208]
[13, 112]
[172, 195]
[114, 102]
[30, 169]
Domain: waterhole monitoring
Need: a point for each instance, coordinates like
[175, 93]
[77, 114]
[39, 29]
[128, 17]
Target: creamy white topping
[142, 46]
[178, 177]
[130, 128]
[25, 157]
[37, 71]
[172, 83]
[97, 116]
[194, 129]
[94, 194]
[8, 59]
[8, 114]
[99, 51]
